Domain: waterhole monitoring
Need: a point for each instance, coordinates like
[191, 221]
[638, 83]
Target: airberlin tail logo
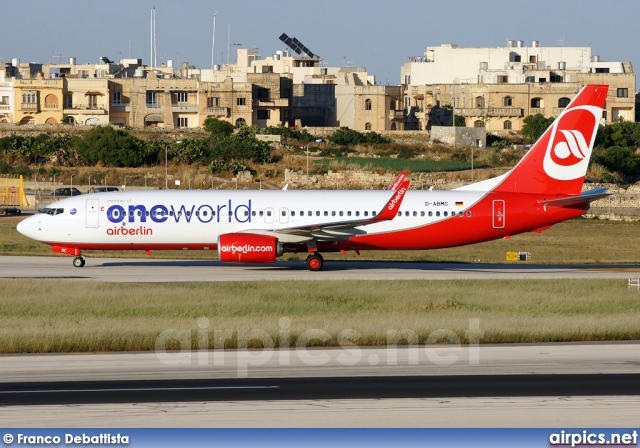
[570, 143]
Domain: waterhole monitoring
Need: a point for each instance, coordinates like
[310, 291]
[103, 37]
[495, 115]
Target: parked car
[63, 192]
[104, 189]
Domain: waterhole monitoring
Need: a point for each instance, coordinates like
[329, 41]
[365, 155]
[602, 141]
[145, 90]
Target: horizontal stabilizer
[584, 198]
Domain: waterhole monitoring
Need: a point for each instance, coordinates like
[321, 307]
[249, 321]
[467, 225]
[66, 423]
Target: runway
[157, 271]
[519, 385]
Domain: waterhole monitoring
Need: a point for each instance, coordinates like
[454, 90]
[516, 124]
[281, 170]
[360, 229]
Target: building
[497, 88]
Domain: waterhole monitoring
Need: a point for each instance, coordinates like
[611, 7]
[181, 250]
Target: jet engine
[248, 248]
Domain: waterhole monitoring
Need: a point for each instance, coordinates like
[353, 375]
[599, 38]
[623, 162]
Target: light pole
[71, 189]
[166, 165]
[54, 187]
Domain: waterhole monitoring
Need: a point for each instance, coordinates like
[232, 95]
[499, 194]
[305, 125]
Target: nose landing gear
[78, 262]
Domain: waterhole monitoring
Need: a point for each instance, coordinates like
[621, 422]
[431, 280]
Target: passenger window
[310, 213]
[468, 213]
[460, 214]
[349, 213]
[284, 213]
[422, 213]
[293, 213]
[253, 213]
[357, 213]
[415, 213]
[374, 213]
[437, 213]
[430, 213]
[171, 213]
[261, 213]
[333, 213]
[406, 213]
[399, 213]
[326, 213]
[188, 213]
[268, 212]
[341, 213]
[246, 213]
[317, 213]
[366, 213]
[446, 214]
[230, 213]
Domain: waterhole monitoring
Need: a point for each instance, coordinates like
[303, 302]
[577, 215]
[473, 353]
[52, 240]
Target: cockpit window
[52, 211]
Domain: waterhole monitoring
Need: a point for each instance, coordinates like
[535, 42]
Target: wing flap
[585, 198]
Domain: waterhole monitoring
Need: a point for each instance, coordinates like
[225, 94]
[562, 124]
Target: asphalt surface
[379, 387]
[155, 271]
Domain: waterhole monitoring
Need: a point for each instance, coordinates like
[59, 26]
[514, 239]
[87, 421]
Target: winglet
[390, 209]
[398, 181]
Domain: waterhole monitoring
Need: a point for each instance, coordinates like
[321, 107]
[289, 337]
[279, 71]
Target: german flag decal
[459, 204]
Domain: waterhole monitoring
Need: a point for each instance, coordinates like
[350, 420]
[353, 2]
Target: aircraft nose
[27, 227]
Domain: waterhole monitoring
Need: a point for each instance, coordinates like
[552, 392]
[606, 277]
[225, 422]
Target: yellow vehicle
[12, 195]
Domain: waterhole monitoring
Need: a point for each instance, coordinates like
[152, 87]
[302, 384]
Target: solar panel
[296, 45]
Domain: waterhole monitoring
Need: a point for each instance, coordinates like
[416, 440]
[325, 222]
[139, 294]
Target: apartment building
[497, 88]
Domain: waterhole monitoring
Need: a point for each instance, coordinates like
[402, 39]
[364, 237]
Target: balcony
[184, 107]
[396, 115]
[271, 102]
[29, 107]
[5, 107]
[121, 107]
[84, 109]
[557, 111]
[490, 112]
[217, 111]
[51, 105]
[536, 110]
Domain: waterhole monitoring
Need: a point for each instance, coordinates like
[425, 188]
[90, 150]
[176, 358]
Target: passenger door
[92, 215]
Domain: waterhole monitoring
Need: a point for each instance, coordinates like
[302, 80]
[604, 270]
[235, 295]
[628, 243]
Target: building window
[29, 98]
[507, 101]
[117, 97]
[152, 98]
[182, 122]
[536, 103]
[602, 69]
[392, 105]
[507, 125]
[92, 101]
[478, 124]
[241, 122]
[563, 102]
[367, 127]
[68, 101]
[623, 93]
[69, 120]
[182, 97]
[83, 73]
[213, 102]
[241, 101]
[367, 104]
[263, 114]
[5, 100]
[480, 102]
[263, 94]
[285, 114]
[555, 78]
[503, 79]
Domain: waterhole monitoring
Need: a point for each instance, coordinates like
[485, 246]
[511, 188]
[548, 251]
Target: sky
[379, 35]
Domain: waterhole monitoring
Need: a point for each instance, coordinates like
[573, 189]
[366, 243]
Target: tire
[314, 262]
[78, 262]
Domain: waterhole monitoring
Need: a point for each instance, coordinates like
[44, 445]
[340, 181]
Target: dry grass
[66, 316]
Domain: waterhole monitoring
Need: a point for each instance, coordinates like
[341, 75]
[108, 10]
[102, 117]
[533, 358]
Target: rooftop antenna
[213, 43]
[154, 55]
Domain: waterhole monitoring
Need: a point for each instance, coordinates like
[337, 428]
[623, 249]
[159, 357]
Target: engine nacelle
[248, 248]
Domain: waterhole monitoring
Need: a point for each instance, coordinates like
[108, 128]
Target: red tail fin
[558, 161]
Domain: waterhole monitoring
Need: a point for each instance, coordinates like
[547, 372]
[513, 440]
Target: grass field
[397, 165]
[66, 316]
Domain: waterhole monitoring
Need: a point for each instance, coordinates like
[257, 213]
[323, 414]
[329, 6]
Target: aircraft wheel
[78, 262]
[315, 262]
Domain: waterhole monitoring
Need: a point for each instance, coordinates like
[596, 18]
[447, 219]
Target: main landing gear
[314, 262]
[79, 261]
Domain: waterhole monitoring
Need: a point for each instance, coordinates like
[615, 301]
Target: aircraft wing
[337, 230]
[584, 198]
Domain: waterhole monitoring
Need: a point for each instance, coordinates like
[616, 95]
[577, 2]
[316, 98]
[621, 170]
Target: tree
[535, 125]
[620, 159]
[103, 144]
[218, 128]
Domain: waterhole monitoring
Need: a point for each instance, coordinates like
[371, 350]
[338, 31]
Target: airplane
[250, 226]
